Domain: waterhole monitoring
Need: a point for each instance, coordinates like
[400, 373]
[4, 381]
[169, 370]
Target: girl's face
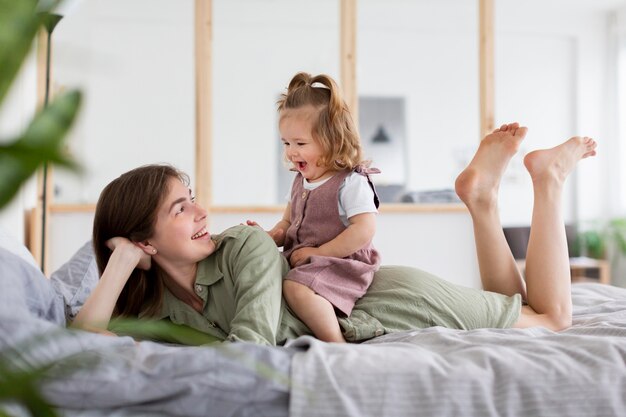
[181, 234]
[296, 127]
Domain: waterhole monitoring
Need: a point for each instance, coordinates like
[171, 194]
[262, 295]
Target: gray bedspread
[430, 372]
[98, 375]
[505, 372]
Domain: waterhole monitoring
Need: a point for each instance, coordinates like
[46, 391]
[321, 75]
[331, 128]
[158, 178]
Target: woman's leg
[547, 259]
[478, 187]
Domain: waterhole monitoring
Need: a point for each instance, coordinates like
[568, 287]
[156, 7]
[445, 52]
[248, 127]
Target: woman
[158, 260]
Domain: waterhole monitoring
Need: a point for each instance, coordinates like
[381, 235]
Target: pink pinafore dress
[314, 221]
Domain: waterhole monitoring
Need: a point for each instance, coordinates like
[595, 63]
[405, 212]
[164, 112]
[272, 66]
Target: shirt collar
[208, 273]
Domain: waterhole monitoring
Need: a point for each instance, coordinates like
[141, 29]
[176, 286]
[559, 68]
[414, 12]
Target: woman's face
[181, 234]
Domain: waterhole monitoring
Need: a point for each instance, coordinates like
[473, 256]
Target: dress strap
[363, 170]
[366, 172]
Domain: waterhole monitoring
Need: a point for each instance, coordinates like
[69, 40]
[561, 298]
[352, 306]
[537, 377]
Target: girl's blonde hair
[334, 128]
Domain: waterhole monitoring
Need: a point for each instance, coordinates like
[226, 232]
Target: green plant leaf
[619, 233]
[19, 23]
[161, 330]
[42, 142]
[594, 243]
[22, 372]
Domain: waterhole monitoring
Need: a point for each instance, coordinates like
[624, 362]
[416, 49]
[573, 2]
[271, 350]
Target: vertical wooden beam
[34, 217]
[348, 19]
[486, 52]
[204, 110]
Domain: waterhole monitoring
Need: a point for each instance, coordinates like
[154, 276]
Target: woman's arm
[359, 233]
[257, 270]
[97, 310]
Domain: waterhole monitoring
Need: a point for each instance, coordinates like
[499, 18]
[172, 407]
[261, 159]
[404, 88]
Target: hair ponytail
[300, 80]
[336, 104]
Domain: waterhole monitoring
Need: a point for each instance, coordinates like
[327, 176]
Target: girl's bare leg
[547, 260]
[477, 186]
[314, 310]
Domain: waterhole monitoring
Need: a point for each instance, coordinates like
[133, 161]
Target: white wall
[15, 115]
[134, 61]
[258, 47]
[617, 32]
[426, 52]
[551, 66]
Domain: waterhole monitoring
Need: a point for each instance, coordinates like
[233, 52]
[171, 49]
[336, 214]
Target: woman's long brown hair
[128, 207]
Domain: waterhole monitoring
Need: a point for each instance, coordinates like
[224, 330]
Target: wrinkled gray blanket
[116, 376]
[506, 372]
[430, 372]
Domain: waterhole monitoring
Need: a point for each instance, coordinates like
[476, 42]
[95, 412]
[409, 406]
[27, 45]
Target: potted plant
[606, 240]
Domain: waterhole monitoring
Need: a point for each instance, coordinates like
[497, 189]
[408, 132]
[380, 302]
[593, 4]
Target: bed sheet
[577, 372]
[488, 372]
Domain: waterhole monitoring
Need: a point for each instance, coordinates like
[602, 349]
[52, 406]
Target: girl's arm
[97, 310]
[359, 233]
[279, 231]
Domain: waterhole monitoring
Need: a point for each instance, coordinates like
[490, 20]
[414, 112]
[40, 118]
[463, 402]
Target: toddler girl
[327, 228]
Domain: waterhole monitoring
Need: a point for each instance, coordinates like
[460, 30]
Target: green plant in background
[597, 239]
[42, 141]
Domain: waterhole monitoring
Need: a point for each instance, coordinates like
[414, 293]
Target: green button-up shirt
[241, 288]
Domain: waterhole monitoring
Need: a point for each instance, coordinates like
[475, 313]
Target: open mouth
[202, 232]
[301, 165]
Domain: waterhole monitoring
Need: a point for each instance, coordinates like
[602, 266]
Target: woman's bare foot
[478, 183]
[556, 163]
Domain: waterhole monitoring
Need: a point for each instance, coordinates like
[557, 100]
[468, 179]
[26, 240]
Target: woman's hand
[301, 256]
[144, 261]
[277, 233]
[98, 308]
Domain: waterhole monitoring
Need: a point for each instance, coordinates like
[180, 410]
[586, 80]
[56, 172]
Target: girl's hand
[301, 256]
[144, 261]
[278, 235]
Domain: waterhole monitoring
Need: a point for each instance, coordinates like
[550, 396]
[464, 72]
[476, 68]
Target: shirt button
[297, 223]
[198, 288]
[211, 324]
[304, 194]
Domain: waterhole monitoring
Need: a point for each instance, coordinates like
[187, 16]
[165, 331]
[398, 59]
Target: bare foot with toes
[478, 183]
[556, 163]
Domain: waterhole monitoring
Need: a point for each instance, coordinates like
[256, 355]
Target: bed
[429, 372]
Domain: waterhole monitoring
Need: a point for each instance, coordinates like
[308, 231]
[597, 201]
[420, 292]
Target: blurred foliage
[42, 141]
[21, 375]
[596, 238]
[20, 157]
[161, 331]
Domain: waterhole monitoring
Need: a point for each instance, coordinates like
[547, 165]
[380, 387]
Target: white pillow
[76, 279]
[10, 243]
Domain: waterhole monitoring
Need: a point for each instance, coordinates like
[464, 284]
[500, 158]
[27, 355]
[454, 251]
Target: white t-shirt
[355, 196]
